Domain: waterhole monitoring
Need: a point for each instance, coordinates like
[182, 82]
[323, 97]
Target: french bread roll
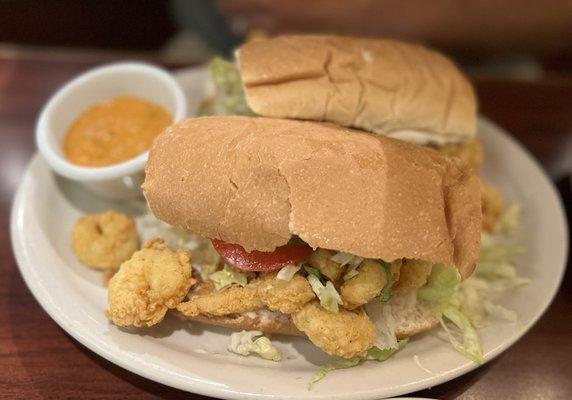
[258, 181]
[379, 85]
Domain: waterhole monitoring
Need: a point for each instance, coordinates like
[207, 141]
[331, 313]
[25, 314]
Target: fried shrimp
[104, 241]
[321, 259]
[471, 152]
[233, 300]
[413, 275]
[154, 280]
[492, 204]
[346, 334]
[363, 287]
[285, 296]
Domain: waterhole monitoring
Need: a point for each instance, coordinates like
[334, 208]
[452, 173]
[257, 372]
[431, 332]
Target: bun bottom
[261, 320]
[410, 319]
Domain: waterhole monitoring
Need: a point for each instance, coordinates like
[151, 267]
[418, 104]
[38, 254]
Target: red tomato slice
[262, 261]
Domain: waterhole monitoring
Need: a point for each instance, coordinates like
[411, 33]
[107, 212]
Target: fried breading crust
[104, 241]
[154, 280]
[285, 296]
[364, 286]
[232, 300]
[346, 334]
[320, 259]
[413, 275]
[492, 205]
[471, 152]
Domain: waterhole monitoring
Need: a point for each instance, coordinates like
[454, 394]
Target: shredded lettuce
[207, 270]
[462, 335]
[495, 273]
[494, 252]
[329, 297]
[385, 294]
[314, 272]
[441, 290]
[470, 301]
[341, 364]
[230, 98]
[442, 285]
[350, 273]
[228, 276]
[373, 354]
[382, 354]
[287, 273]
[382, 318]
[346, 259]
[464, 307]
[509, 221]
[243, 343]
[350, 260]
[500, 312]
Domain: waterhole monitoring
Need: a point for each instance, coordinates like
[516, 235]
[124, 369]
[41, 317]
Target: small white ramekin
[119, 181]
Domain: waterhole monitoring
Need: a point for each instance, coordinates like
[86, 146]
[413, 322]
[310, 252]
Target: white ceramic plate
[194, 357]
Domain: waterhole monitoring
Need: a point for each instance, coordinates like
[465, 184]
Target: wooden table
[39, 360]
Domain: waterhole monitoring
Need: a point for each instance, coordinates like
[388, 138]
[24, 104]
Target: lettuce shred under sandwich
[350, 260]
[464, 307]
[229, 97]
[373, 354]
[329, 297]
[228, 276]
[287, 273]
[385, 294]
[382, 318]
[244, 343]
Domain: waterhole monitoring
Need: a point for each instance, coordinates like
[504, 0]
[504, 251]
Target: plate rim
[138, 366]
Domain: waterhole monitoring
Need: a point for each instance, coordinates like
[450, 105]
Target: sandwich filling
[354, 307]
[342, 302]
[324, 292]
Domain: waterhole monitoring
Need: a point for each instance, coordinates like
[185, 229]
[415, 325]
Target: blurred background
[518, 39]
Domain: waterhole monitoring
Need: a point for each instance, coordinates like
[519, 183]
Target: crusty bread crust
[378, 85]
[258, 181]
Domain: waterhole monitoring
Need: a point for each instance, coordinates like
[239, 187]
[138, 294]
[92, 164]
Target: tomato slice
[262, 261]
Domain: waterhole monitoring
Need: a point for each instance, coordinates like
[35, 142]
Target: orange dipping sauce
[114, 131]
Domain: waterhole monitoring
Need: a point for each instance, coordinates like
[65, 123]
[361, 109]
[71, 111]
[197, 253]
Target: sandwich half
[313, 228]
[382, 86]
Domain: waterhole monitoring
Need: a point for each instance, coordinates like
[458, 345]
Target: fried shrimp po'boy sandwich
[319, 230]
[382, 86]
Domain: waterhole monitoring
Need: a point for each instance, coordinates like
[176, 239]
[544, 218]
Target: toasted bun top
[379, 85]
[258, 181]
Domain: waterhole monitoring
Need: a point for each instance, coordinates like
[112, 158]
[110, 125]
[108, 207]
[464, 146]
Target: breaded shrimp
[154, 280]
[492, 205]
[414, 274]
[232, 300]
[285, 296]
[346, 334]
[363, 287]
[104, 241]
[321, 260]
[367, 284]
[471, 152]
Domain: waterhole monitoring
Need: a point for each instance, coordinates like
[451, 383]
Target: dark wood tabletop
[38, 360]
